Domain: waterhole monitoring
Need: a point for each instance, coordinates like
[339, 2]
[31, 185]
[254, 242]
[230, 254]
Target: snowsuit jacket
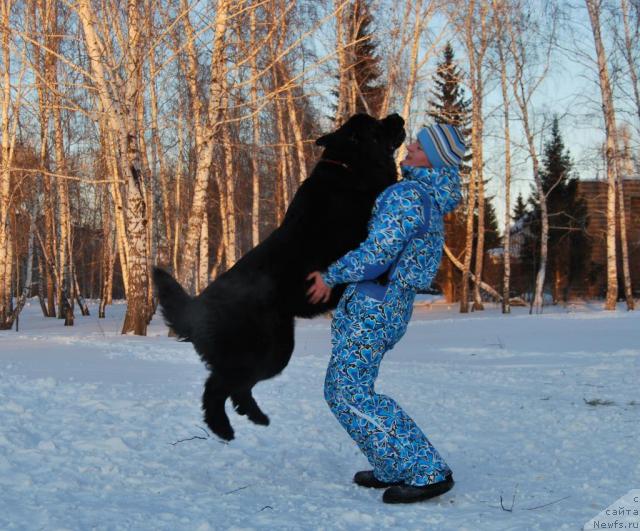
[406, 234]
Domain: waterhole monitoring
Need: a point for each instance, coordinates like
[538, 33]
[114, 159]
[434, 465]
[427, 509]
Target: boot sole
[437, 489]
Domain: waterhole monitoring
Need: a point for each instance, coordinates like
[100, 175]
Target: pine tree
[568, 244]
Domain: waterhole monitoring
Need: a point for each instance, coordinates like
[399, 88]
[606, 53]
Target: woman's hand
[319, 291]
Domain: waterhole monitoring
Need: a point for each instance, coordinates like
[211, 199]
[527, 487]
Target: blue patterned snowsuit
[405, 240]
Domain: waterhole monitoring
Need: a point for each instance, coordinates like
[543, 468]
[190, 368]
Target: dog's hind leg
[245, 404]
[216, 392]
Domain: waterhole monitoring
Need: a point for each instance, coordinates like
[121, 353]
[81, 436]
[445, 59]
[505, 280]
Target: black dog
[242, 323]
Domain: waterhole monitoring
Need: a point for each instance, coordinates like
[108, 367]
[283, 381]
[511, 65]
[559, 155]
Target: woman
[404, 245]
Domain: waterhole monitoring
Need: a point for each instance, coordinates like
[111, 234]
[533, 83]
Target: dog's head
[366, 145]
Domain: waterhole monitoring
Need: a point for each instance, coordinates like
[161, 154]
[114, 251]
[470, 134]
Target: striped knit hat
[443, 144]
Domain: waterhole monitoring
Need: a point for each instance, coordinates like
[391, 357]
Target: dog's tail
[173, 301]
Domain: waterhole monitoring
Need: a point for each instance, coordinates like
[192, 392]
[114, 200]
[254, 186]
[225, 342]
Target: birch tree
[626, 170]
[207, 117]
[470, 20]
[45, 15]
[117, 92]
[10, 104]
[342, 39]
[255, 130]
[608, 109]
[476, 43]
[498, 23]
[525, 81]
[629, 42]
[40, 15]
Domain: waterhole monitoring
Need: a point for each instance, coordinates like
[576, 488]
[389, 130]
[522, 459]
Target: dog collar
[344, 165]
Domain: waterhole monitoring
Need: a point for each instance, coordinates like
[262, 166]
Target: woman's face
[415, 156]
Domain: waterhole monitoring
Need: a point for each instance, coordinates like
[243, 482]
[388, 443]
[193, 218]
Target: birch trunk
[42, 19]
[204, 145]
[297, 135]
[471, 188]
[229, 210]
[177, 198]
[476, 49]
[65, 263]
[41, 284]
[30, 251]
[6, 242]
[203, 255]
[118, 206]
[506, 240]
[285, 164]
[593, 7]
[538, 299]
[63, 250]
[629, 50]
[224, 217]
[342, 64]
[159, 162]
[626, 169]
[518, 53]
[477, 164]
[108, 257]
[255, 170]
[468, 249]
[147, 182]
[51, 239]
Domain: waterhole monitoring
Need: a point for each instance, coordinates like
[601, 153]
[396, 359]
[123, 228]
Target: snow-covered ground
[542, 411]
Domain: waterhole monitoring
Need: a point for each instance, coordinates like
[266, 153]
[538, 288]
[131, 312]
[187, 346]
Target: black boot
[411, 494]
[365, 478]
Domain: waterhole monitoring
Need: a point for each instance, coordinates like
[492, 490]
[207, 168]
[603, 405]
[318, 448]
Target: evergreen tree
[362, 66]
[449, 104]
[366, 64]
[520, 208]
[492, 238]
[568, 244]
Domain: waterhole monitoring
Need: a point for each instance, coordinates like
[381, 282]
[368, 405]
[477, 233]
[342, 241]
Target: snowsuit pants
[362, 331]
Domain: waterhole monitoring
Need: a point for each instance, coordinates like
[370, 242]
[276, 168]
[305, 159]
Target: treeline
[175, 132]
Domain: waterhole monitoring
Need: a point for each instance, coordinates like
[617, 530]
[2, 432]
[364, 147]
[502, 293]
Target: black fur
[242, 323]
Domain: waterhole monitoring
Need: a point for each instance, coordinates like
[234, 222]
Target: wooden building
[595, 194]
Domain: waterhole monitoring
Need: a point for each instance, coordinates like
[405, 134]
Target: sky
[569, 90]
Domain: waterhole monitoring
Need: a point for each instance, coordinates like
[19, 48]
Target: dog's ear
[394, 127]
[393, 121]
